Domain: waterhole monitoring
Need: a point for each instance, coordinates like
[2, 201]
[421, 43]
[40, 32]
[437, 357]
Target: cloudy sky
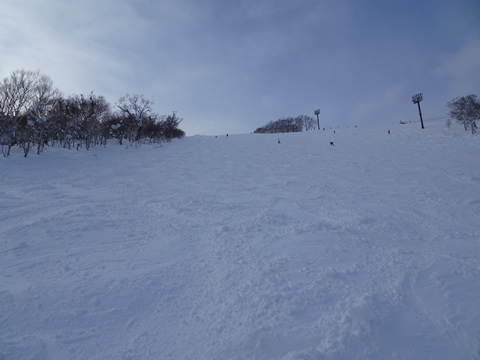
[230, 66]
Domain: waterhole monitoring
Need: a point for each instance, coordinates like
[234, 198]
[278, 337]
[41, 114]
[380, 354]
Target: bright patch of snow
[242, 248]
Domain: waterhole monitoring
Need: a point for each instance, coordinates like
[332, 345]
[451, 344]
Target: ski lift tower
[317, 112]
[416, 100]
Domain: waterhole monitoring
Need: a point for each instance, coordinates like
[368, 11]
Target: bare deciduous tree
[16, 96]
[134, 110]
[34, 113]
[466, 110]
[284, 125]
[169, 127]
[308, 122]
[17, 91]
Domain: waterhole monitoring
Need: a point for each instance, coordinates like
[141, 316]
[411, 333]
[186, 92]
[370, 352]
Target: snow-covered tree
[466, 110]
[283, 125]
[134, 110]
[26, 95]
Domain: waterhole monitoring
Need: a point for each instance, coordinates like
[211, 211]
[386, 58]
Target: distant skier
[278, 141]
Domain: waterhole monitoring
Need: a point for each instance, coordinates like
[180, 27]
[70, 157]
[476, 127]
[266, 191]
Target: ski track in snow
[241, 248]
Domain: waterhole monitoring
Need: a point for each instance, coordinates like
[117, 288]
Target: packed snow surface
[241, 247]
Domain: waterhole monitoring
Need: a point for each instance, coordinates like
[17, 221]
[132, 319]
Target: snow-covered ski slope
[242, 248]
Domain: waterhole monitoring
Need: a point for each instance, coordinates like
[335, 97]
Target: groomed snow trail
[242, 248]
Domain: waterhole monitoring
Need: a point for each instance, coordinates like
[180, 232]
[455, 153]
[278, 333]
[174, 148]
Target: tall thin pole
[420, 113]
[416, 100]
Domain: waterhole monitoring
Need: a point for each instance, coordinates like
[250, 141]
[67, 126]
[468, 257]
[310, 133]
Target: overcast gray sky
[233, 65]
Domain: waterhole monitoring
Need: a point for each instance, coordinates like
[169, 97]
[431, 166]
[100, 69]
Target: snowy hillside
[242, 248]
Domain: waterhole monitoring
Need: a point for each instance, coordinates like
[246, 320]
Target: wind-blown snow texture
[242, 248]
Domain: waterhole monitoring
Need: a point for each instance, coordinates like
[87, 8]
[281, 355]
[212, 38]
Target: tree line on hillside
[33, 114]
[289, 124]
[465, 110]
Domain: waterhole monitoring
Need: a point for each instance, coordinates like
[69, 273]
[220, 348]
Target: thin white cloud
[73, 42]
[462, 69]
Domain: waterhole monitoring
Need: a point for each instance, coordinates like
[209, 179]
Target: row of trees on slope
[33, 113]
[289, 124]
